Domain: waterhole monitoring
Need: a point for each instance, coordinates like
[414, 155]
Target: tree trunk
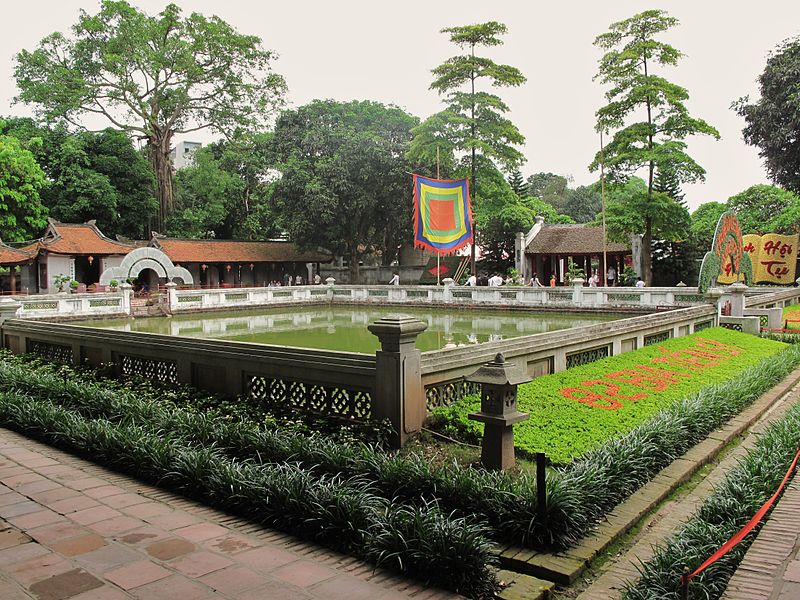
[352, 265]
[647, 252]
[162, 167]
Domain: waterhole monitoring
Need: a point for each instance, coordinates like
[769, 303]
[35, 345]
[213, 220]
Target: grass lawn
[577, 410]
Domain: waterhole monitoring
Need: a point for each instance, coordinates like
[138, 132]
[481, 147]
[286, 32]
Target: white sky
[376, 50]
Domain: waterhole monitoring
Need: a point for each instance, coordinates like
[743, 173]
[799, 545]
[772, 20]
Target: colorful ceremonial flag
[442, 214]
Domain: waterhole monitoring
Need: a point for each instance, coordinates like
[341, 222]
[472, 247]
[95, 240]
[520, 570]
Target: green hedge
[341, 512]
[564, 428]
[746, 487]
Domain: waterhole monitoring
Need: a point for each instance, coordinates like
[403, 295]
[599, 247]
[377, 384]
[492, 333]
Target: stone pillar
[737, 291]
[172, 296]
[127, 297]
[519, 256]
[577, 292]
[398, 394]
[448, 289]
[8, 310]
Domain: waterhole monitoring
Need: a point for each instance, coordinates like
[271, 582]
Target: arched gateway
[140, 259]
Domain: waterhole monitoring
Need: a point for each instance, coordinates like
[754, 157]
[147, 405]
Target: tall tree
[474, 121]
[656, 142]
[583, 203]
[22, 215]
[773, 122]
[517, 183]
[673, 260]
[152, 77]
[766, 209]
[344, 184]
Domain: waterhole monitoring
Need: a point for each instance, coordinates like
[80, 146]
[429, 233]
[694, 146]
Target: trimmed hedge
[564, 427]
[745, 488]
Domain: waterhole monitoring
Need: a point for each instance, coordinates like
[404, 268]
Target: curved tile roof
[14, 256]
[231, 251]
[572, 239]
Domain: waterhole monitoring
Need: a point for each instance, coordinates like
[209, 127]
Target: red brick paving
[770, 569]
[70, 529]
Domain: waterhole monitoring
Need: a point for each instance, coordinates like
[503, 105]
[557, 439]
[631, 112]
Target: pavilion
[546, 250]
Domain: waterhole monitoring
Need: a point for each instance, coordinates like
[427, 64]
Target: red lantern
[204, 267]
[251, 266]
[228, 268]
[90, 259]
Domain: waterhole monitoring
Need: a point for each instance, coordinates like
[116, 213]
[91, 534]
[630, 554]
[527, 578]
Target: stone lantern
[499, 381]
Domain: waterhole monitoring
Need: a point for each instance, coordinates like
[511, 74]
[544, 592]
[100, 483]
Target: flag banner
[442, 214]
[774, 259]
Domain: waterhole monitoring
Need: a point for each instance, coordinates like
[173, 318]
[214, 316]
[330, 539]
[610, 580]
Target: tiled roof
[229, 251]
[78, 238]
[571, 239]
[13, 256]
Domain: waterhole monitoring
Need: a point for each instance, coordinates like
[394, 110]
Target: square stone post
[127, 297]
[737, 291]
[398, 394]
[8, 310]
[172, 296]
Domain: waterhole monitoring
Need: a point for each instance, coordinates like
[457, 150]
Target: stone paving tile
[198, 564]
[233, 579]
[116, 539]
[136, 574]
[79, 545]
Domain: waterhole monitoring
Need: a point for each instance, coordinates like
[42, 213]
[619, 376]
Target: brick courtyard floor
[771, 567]
[71, 529]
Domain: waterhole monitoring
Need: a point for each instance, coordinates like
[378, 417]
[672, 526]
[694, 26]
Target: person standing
[317, 279]
[639, 282]
[535, 281]
[553, 280]
[395, 280]
[472, 281]
[611, 276]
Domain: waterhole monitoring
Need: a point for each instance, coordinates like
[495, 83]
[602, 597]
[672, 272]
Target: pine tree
[517, 183]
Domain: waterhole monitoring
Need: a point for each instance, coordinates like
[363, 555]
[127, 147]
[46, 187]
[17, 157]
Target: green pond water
[345, 328]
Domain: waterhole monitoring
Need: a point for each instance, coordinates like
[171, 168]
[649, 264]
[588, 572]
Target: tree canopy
[345, 184]
[656, 143]
[22, 214]
[773, 121]
[766, 209]
[152, 77]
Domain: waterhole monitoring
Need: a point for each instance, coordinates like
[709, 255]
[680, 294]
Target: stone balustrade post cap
[499, 372]
[171, 284]
[737, 288]
[125, 286]
[401, 325]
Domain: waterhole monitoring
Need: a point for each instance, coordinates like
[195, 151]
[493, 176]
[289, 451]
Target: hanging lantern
[90, 259]
[204, 267]
[251, 266]
[228, 268]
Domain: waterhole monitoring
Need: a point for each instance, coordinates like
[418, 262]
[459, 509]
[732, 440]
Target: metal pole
[541, 485]
[603, 201]
[685, 584]
[438, 274]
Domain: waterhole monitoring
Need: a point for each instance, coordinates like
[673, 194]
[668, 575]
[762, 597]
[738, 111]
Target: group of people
[289, 280]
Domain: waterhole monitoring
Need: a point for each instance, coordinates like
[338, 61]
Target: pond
[344, 328]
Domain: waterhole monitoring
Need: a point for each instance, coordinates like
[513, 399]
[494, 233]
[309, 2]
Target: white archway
[140, 259]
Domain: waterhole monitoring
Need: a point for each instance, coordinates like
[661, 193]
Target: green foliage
[704, 224]
[583, 203]
[517, 183]
[564, 428]
[22, 215]
[773, 121]
[731, 505]
[153, 77]
[345, 184]
[766, 209]
[657, 142]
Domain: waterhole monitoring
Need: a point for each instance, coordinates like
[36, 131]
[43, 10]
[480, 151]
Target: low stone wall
[443, 371]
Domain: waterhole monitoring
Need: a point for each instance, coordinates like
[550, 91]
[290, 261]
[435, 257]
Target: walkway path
[71, 529]
[771, 568]
[672, 514]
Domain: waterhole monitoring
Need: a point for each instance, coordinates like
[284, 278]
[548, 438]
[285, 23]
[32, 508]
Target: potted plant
[59, 281]
[73, 285]
[113, 284]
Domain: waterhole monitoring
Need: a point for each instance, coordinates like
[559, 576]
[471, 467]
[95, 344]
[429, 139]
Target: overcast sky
[384, 51]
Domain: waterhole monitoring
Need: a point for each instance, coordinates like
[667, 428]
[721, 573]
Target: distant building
[182, 154]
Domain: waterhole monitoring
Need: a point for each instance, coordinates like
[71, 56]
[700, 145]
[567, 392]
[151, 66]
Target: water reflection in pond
[345, 328]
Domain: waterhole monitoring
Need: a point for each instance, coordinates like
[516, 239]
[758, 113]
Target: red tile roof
[229, 251]
[14, 256]
[78, 238]
[571, 239]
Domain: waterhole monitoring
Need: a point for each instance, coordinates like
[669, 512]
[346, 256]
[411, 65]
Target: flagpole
[603, 201]
[438, 273]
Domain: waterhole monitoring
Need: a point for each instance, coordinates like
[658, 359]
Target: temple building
[82, 253]
[546, 250]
